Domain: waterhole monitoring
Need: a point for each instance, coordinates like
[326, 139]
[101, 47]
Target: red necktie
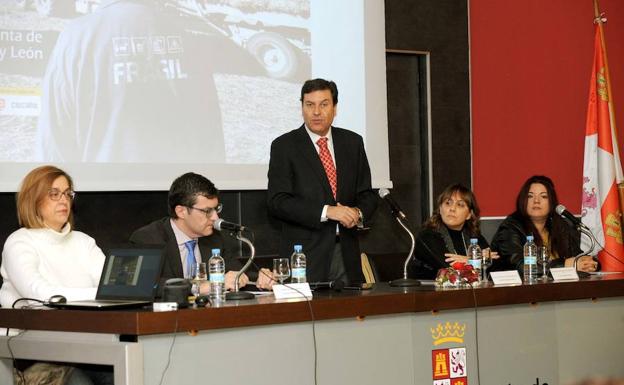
[328, 164]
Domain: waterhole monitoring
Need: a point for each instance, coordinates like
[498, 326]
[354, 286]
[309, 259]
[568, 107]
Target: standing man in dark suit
[187, 235]
[320, 188]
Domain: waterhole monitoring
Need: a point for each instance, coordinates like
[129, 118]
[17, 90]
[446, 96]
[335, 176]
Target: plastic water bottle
[474, 256]
[216, 267]
[298, 265]
[530, 260]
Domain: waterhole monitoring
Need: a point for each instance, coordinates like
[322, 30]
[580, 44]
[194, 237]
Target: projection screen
[126, 95]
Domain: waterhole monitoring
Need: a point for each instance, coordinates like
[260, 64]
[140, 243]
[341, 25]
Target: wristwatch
[360, 222]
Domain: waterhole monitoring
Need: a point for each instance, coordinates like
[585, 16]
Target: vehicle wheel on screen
[275, 54]
[58, 8]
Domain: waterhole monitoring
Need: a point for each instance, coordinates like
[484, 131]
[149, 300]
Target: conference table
[544, 333]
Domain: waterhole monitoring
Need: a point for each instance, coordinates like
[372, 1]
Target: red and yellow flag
[602, 169]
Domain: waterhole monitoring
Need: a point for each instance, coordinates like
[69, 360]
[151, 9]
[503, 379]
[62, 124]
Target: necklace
[464, 243]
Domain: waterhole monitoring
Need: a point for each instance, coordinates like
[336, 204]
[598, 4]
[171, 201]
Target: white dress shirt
[181, 239]
[314, 137]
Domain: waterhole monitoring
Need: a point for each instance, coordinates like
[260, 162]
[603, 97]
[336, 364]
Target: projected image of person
[445, 236]
[320, 188]
[535, 215]
[46, 256]
[188, 236]
[126, 84]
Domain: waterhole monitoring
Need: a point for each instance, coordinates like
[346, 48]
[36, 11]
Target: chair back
[368, 269]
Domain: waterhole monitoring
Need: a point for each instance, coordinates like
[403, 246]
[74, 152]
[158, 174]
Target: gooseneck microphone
[561, 210]
[220, 225]
[396, 210]
[401, 218]
[235, 230]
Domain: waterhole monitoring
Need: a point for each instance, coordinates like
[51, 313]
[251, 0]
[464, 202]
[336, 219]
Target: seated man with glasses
[187, 234]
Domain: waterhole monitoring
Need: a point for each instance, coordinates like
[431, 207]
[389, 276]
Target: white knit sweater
[39, 263]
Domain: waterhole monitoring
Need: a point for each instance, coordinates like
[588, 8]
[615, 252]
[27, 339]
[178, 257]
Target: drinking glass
[281, 269]
[543, 257]
[201, 277]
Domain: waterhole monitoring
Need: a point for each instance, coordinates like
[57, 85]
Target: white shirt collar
[315, 137]
[181, 237]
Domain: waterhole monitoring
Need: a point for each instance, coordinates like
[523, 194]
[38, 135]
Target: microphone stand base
[237, 295]
[404, 282]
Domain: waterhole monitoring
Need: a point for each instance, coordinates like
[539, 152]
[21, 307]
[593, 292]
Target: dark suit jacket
[160, 233]
[429, 253]
[298, 190]
[509, 242]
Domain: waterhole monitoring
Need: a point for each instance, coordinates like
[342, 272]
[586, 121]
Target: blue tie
[190, 258]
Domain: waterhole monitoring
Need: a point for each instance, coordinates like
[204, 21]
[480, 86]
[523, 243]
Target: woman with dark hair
[535, 215]
[445, 236]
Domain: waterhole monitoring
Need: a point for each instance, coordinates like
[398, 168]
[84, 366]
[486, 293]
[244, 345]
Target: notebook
[129, 279]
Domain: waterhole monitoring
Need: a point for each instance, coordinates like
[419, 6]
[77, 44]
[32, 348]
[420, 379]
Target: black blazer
[429, 254]
[509, 242]
[160, 233]
[298, 189]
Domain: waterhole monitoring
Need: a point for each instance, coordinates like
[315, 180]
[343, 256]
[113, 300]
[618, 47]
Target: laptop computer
[129, 279]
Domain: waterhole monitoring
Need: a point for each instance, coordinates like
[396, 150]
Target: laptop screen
[130, 274]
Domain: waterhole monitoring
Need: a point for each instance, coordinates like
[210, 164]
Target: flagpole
[599, 20]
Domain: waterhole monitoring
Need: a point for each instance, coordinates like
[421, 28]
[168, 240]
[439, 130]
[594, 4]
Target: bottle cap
[216, 251]
[529, 238]
[298, 248]
[473, 241]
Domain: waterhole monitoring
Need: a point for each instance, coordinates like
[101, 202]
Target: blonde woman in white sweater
[45, 256]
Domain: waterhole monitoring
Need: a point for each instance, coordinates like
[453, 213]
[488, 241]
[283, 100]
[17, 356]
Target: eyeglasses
[210, 210]
[56, 194]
